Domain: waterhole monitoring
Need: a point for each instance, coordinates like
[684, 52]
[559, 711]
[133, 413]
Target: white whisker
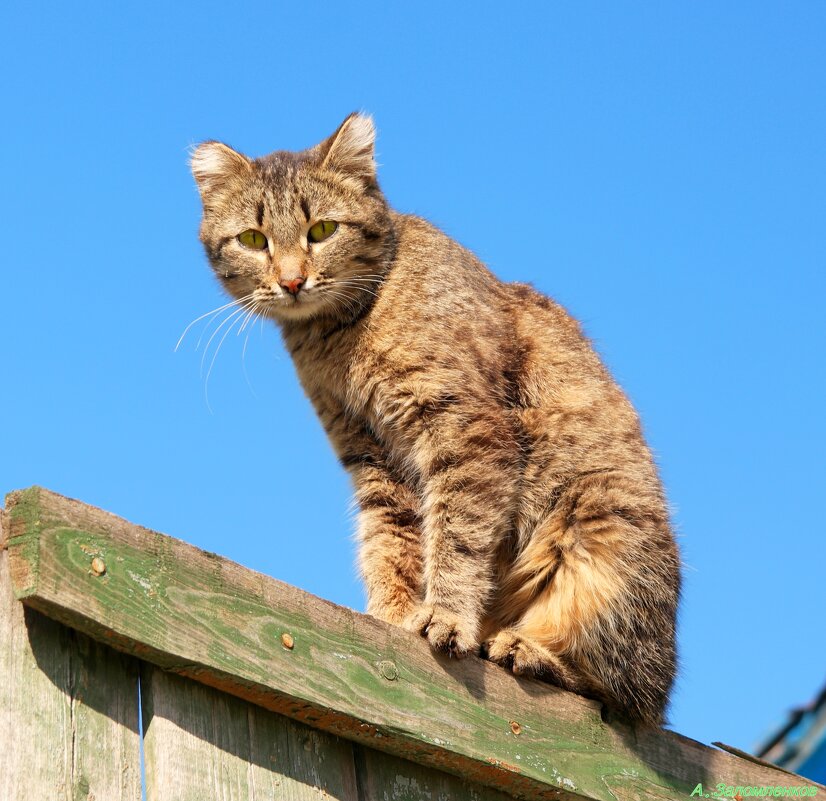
[234, 315]
[251, 316]
[346, 285]
[207, 325]
[207, 314]
[247, 320]
[237, 315]
[342, 297]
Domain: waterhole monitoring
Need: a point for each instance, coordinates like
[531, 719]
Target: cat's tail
[593, 600]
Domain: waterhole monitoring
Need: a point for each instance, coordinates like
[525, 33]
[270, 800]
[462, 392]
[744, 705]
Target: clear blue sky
[658, 168]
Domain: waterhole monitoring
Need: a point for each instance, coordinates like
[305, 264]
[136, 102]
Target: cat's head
[297, 235]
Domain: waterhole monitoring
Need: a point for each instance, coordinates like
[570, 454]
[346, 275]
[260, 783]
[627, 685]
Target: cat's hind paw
[444, 630]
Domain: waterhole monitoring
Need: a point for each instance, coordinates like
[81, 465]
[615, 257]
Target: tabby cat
[509, 505]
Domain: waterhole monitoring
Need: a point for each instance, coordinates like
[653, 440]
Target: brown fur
[508, 500]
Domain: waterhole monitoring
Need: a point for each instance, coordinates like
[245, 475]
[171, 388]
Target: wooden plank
[207, 618]
[382, 777]
[68, 710]
[200, 743]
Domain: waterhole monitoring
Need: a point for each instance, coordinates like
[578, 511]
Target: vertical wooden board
[68, 711]
[201, 743]
[383, 777]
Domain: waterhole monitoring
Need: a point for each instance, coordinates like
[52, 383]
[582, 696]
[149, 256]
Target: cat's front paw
[520, 654]
[445, 631]
[525, 657]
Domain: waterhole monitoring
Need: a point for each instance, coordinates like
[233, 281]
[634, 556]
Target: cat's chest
[330, 370]
[350, 374]
[323, 371]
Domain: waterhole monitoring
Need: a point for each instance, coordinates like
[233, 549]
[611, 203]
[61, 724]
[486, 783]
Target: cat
[509, 505]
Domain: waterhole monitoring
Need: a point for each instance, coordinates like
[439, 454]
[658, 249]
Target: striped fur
[508, 501]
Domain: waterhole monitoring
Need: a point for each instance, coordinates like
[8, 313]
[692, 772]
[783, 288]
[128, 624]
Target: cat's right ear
[215, 165]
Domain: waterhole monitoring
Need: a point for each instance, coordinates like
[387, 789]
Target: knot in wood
[389, 670]
[98, 566]
[287, 640]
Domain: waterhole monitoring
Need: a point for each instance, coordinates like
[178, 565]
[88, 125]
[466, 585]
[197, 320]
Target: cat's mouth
[301, 302]
[311, 299]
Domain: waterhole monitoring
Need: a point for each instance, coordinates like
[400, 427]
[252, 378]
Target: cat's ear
[215, 165]
[351, 149]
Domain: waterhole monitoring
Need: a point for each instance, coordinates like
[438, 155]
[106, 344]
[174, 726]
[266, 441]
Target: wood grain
[382, 777]
[201, 743]
[68, 711]
[204, 617]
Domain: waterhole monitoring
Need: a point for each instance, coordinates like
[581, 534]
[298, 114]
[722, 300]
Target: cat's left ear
[351, 149]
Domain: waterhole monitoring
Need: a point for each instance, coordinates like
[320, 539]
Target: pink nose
[293, 285]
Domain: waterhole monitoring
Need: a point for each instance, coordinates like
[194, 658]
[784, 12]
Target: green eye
[253, 239]
[321, 230]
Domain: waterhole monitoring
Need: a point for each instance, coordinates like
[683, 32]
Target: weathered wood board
[68, 710]
[201, 743]
[204, 617]
[382, 777]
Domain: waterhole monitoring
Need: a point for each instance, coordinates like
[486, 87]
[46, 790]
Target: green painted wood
[68, 711]
[201, 616]
[200, 743]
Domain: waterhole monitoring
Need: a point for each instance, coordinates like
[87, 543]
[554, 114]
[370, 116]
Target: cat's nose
[292, 285]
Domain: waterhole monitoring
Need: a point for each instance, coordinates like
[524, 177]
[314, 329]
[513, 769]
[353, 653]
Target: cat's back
[568, 402]
[438, 269]
[434, 272]
[439, 302]
[438, 305]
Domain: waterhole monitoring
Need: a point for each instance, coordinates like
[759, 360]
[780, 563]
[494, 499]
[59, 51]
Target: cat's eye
[253, 239]
[321, 230]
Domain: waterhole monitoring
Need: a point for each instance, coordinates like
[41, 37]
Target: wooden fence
[137, 664]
